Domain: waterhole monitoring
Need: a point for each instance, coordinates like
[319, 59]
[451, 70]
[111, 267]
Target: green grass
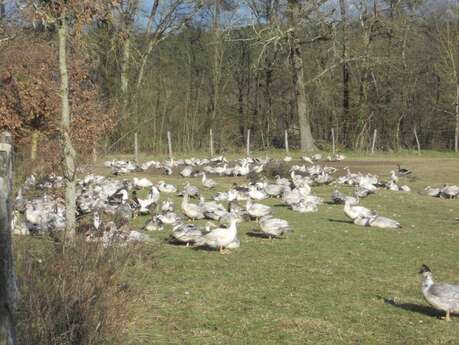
[327, 283]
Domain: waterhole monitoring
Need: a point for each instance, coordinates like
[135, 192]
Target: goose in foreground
[185, 233]
[273, 227]
[377, 222]
[219, 238]
[257, 210]
[441, 296]
[355, 211]
[192, 211]
[207, 182]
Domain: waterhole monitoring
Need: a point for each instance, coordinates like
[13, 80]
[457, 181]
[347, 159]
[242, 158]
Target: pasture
[328, 282]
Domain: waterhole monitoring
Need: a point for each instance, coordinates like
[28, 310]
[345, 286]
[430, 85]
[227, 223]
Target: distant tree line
[267, 65]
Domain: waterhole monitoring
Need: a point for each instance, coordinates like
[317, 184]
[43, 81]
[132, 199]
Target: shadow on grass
[340, 221]
[416, 308]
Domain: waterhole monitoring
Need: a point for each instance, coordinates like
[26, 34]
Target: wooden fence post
[94, 154]
[417, 140]
[211, 142]
[374, 141]
[333, 141]
[169, 144]
[248, 142]
[9, 295]
[136, 147]
[286, 143]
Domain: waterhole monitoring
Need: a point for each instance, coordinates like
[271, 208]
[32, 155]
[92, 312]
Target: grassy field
[329, 282]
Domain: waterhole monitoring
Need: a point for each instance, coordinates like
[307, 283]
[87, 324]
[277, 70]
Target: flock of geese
[111, 203]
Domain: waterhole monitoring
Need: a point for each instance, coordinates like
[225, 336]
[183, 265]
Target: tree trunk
[66, 142]
[296, 62]
[344, 56]
[9, 295]
[124, 76]
[456, 133]
[2, 10]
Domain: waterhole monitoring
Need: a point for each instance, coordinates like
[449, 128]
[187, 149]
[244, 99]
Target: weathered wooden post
[286, 143]
[417, 140]
[248, 142]
[8, 290]
[169, 144]
[374, 141]
[333, 141]
[136, 148]
[211, 142]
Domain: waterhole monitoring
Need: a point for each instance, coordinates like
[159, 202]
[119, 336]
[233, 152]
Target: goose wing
[445, 291]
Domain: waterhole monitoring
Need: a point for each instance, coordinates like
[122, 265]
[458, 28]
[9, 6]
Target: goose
[167, 206]
[354, 211]
[441, 296]
[207, 182]
[274, 190]
[212, 210]
[307, 159]
[153, 224]
[338, 197]
[191, 190]
[432, 191]
[257, 210]
[377, 222]
[384, 223]
[316, 157]
[393, 176]
[220, 170]
[119, 197]
[219, 238]
[449, 192]
[166, 187]
[257, 194]
[185, 233]
[403, 171]
[169, 218]
[143, 205]
[192, 211]
[141, 183]
[273, 227]
[304, 207]
[187, 171]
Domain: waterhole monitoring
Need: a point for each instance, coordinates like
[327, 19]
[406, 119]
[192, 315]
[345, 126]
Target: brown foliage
[29, 93]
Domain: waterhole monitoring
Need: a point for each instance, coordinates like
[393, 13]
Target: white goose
[192, 211]
[166, 187]
[207, 182]
[219, 238]
[354, 211]
[257, 210]
[273, 227]
[141, 183]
